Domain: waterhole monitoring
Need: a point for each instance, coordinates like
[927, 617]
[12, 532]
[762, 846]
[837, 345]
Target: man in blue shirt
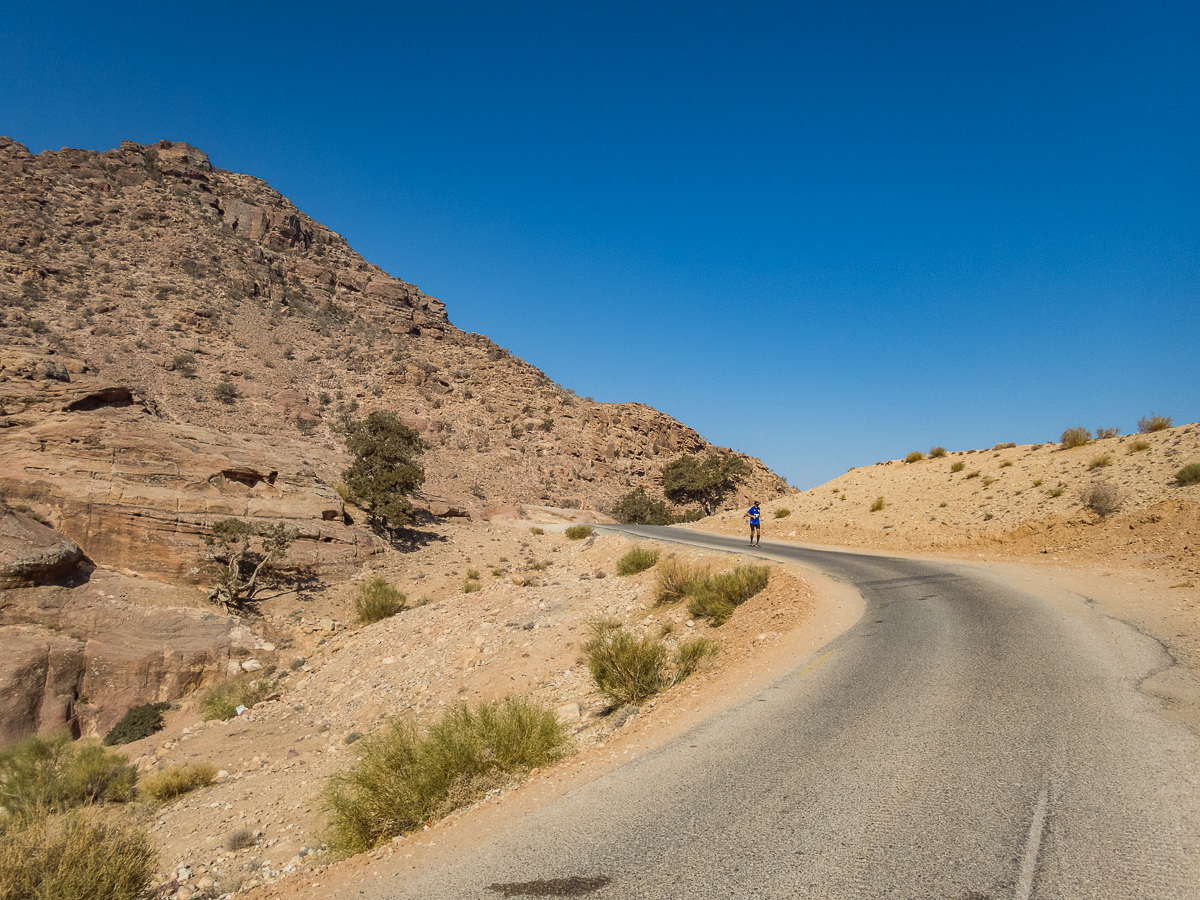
[755, 518]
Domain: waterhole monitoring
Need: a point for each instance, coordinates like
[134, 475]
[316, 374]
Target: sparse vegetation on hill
[1152, 423]
[139, 722]
[377, 600]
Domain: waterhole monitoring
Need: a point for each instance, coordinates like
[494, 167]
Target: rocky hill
[181, 344]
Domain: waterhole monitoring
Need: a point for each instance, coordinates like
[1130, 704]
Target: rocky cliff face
[165, 277]
[181, 344]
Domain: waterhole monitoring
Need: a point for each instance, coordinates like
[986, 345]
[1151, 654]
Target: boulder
[32, 553]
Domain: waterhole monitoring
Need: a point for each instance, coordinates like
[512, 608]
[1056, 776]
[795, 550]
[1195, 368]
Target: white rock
[251, 665]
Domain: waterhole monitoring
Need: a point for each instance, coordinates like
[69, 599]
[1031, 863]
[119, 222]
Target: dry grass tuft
[177, 781]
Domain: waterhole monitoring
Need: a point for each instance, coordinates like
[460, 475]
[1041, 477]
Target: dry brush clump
[1102, 498]
[1075, 437]
[177, 781]
[1153, 422]
[406, 776]
[638, 559]
[630, 669]
[222, 700]
[1189, 474]
[377, 600]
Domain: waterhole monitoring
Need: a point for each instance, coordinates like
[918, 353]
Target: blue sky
[821, 233]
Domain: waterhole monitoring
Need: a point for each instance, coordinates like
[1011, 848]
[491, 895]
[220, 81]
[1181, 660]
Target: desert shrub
[377, 600]
[239, 840]
[1102, 498]
[639, 508]
[1099, 462]
[915, 456]
[538, 565]
[626, 669]
[1005, 463]
[716, 598]
[578, 532]
[879, 503]
[53, 775]
[536, 530]
[225, 391]
[222, 700]
[1007, 445]
[674, 578]
[693, 655]
[84, 855]
[185, 364]
[1037, 482]
[1189, 474]
[1138, 446]
[638, 559]
[470, 587]
[177, 781]
[137, 723]
[1105, 433]
[988, 481]
[1055, 492]
[1152, 423]
[782, 512]
[404, 778]
[958, 466]
[974, 474]
[473, 575]
[937, 452]
[1075, 437]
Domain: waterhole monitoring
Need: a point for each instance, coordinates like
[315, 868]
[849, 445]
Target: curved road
[964, 740]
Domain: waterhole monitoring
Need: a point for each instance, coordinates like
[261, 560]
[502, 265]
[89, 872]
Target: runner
[755, 517]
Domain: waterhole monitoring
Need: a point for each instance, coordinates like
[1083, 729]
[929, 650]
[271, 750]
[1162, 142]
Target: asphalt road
[965, 740]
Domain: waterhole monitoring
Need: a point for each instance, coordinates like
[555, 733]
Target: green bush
[1153, 422]
[915, 456]
[53, 775]
[84, 855]
[782, 512]
[626, 669]
[639, 559]
[536, 530]
[470, 587]
[1189, 474]
[377, 600]
[1055, 492]
[1138, 446]
[177, 781]
[694, 655]
[578, 532]
[1099, 462]
[1075, 437]
[674, 578]
[937, 452]
[958, 466]
[139, 722]
[879, 503]
[222, 700]
[716, 597]
[404, 778]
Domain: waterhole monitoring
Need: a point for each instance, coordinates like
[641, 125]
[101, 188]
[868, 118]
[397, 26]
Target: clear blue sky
[822, 233]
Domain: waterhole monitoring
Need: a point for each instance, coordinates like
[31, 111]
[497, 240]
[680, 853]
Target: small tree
[385, 469]
[687, 481]
[242, 552]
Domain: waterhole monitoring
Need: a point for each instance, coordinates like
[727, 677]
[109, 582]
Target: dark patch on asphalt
[575, 886]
